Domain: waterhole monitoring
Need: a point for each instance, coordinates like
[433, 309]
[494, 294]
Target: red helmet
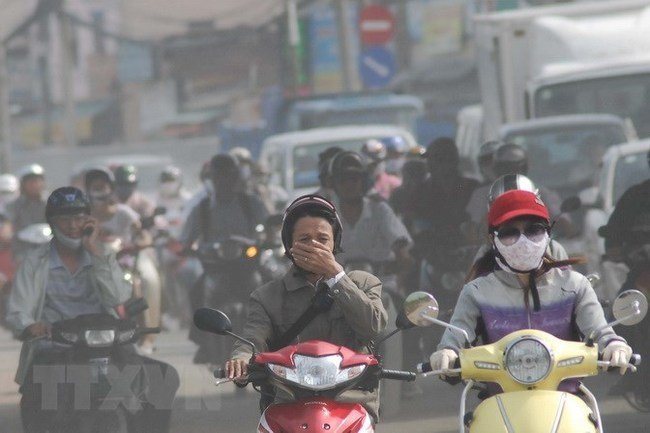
[516, 203]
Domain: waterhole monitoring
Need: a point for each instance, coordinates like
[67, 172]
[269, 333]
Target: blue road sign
[376, 66]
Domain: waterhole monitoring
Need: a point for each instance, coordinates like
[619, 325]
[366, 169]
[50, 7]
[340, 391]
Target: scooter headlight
[100, 338]
[528, 361]
[318, 373]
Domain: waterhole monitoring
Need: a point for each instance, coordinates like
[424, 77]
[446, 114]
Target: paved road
[202, 408]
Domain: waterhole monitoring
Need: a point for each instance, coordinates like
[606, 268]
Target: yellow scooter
[529, 365]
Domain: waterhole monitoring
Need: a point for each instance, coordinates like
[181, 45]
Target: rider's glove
[443, 359]
[618, 354]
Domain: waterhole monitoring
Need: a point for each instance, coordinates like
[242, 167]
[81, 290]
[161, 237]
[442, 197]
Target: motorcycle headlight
[100, 338]
[317, 373]
[528, 361]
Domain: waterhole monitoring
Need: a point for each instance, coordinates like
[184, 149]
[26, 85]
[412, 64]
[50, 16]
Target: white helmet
[242, 154]
[8, 184]
[31, 170]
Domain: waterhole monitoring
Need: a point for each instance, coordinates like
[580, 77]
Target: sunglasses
[509, 235]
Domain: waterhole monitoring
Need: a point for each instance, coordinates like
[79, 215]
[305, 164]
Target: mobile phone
[87, 231]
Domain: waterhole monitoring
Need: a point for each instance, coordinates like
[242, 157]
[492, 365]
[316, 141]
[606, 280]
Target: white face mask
[522, 256]
[66, 241]
[169, 189]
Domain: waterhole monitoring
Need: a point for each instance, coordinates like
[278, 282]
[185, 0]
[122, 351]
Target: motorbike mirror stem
[449, 326]
[596, 332]
[243, 340]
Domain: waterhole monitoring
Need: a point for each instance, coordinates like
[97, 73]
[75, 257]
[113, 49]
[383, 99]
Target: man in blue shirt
[70, 276]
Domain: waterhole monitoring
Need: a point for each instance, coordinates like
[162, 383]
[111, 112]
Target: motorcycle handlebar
[423, 367]
[407, 376]
[253, 376]
[155, 330]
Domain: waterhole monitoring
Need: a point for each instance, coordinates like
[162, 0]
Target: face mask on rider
[169, 189]
[525, 255]
[66, 241]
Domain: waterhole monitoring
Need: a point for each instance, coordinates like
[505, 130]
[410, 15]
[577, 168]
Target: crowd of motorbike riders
[387, 220]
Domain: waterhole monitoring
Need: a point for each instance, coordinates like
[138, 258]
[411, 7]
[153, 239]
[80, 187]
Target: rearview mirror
[214, 321]
[630, 307]
[417, 303]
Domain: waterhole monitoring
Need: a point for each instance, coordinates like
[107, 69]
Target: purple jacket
[493, 306]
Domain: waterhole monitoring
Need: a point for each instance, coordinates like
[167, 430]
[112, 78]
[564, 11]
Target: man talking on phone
[63, 279]
[70, 276]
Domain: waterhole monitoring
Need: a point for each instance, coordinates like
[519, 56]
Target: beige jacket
[357, 317]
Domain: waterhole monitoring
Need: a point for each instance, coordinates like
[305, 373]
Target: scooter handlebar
[425, 367]
[407, 376]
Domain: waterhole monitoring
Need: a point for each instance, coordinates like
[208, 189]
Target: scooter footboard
[533, 412]
[315, 415]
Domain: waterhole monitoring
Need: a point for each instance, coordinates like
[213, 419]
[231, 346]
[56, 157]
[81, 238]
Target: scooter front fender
[318, 415]
[533, 412]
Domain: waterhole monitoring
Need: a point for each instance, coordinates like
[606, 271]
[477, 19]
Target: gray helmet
[510, 182]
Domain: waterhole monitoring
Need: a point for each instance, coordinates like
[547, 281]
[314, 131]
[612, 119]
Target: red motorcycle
[314, 373]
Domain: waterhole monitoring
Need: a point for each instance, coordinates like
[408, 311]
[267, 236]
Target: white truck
[585, 57]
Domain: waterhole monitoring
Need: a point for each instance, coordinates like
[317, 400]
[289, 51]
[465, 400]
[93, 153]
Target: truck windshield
[305, 160]
[629, 171]
[625, 96]
[567, 158]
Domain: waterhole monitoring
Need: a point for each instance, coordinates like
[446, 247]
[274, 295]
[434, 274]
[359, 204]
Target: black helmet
[310, 205]
[346, 162]
[98, 173]
[324, 159]
[171, 173]
[487, 150]
[126, 175]
[510, 158]
[223, 161]
[67, 200]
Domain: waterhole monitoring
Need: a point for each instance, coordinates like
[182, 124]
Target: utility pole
[5, 116]
[348, 64]
[70, 121]
[293, 39]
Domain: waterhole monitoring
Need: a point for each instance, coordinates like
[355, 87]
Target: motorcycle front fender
[315, 415]
[533, 412]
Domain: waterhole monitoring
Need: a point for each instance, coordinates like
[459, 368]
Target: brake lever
[447, 372]
[243, 379]
[606, 365]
